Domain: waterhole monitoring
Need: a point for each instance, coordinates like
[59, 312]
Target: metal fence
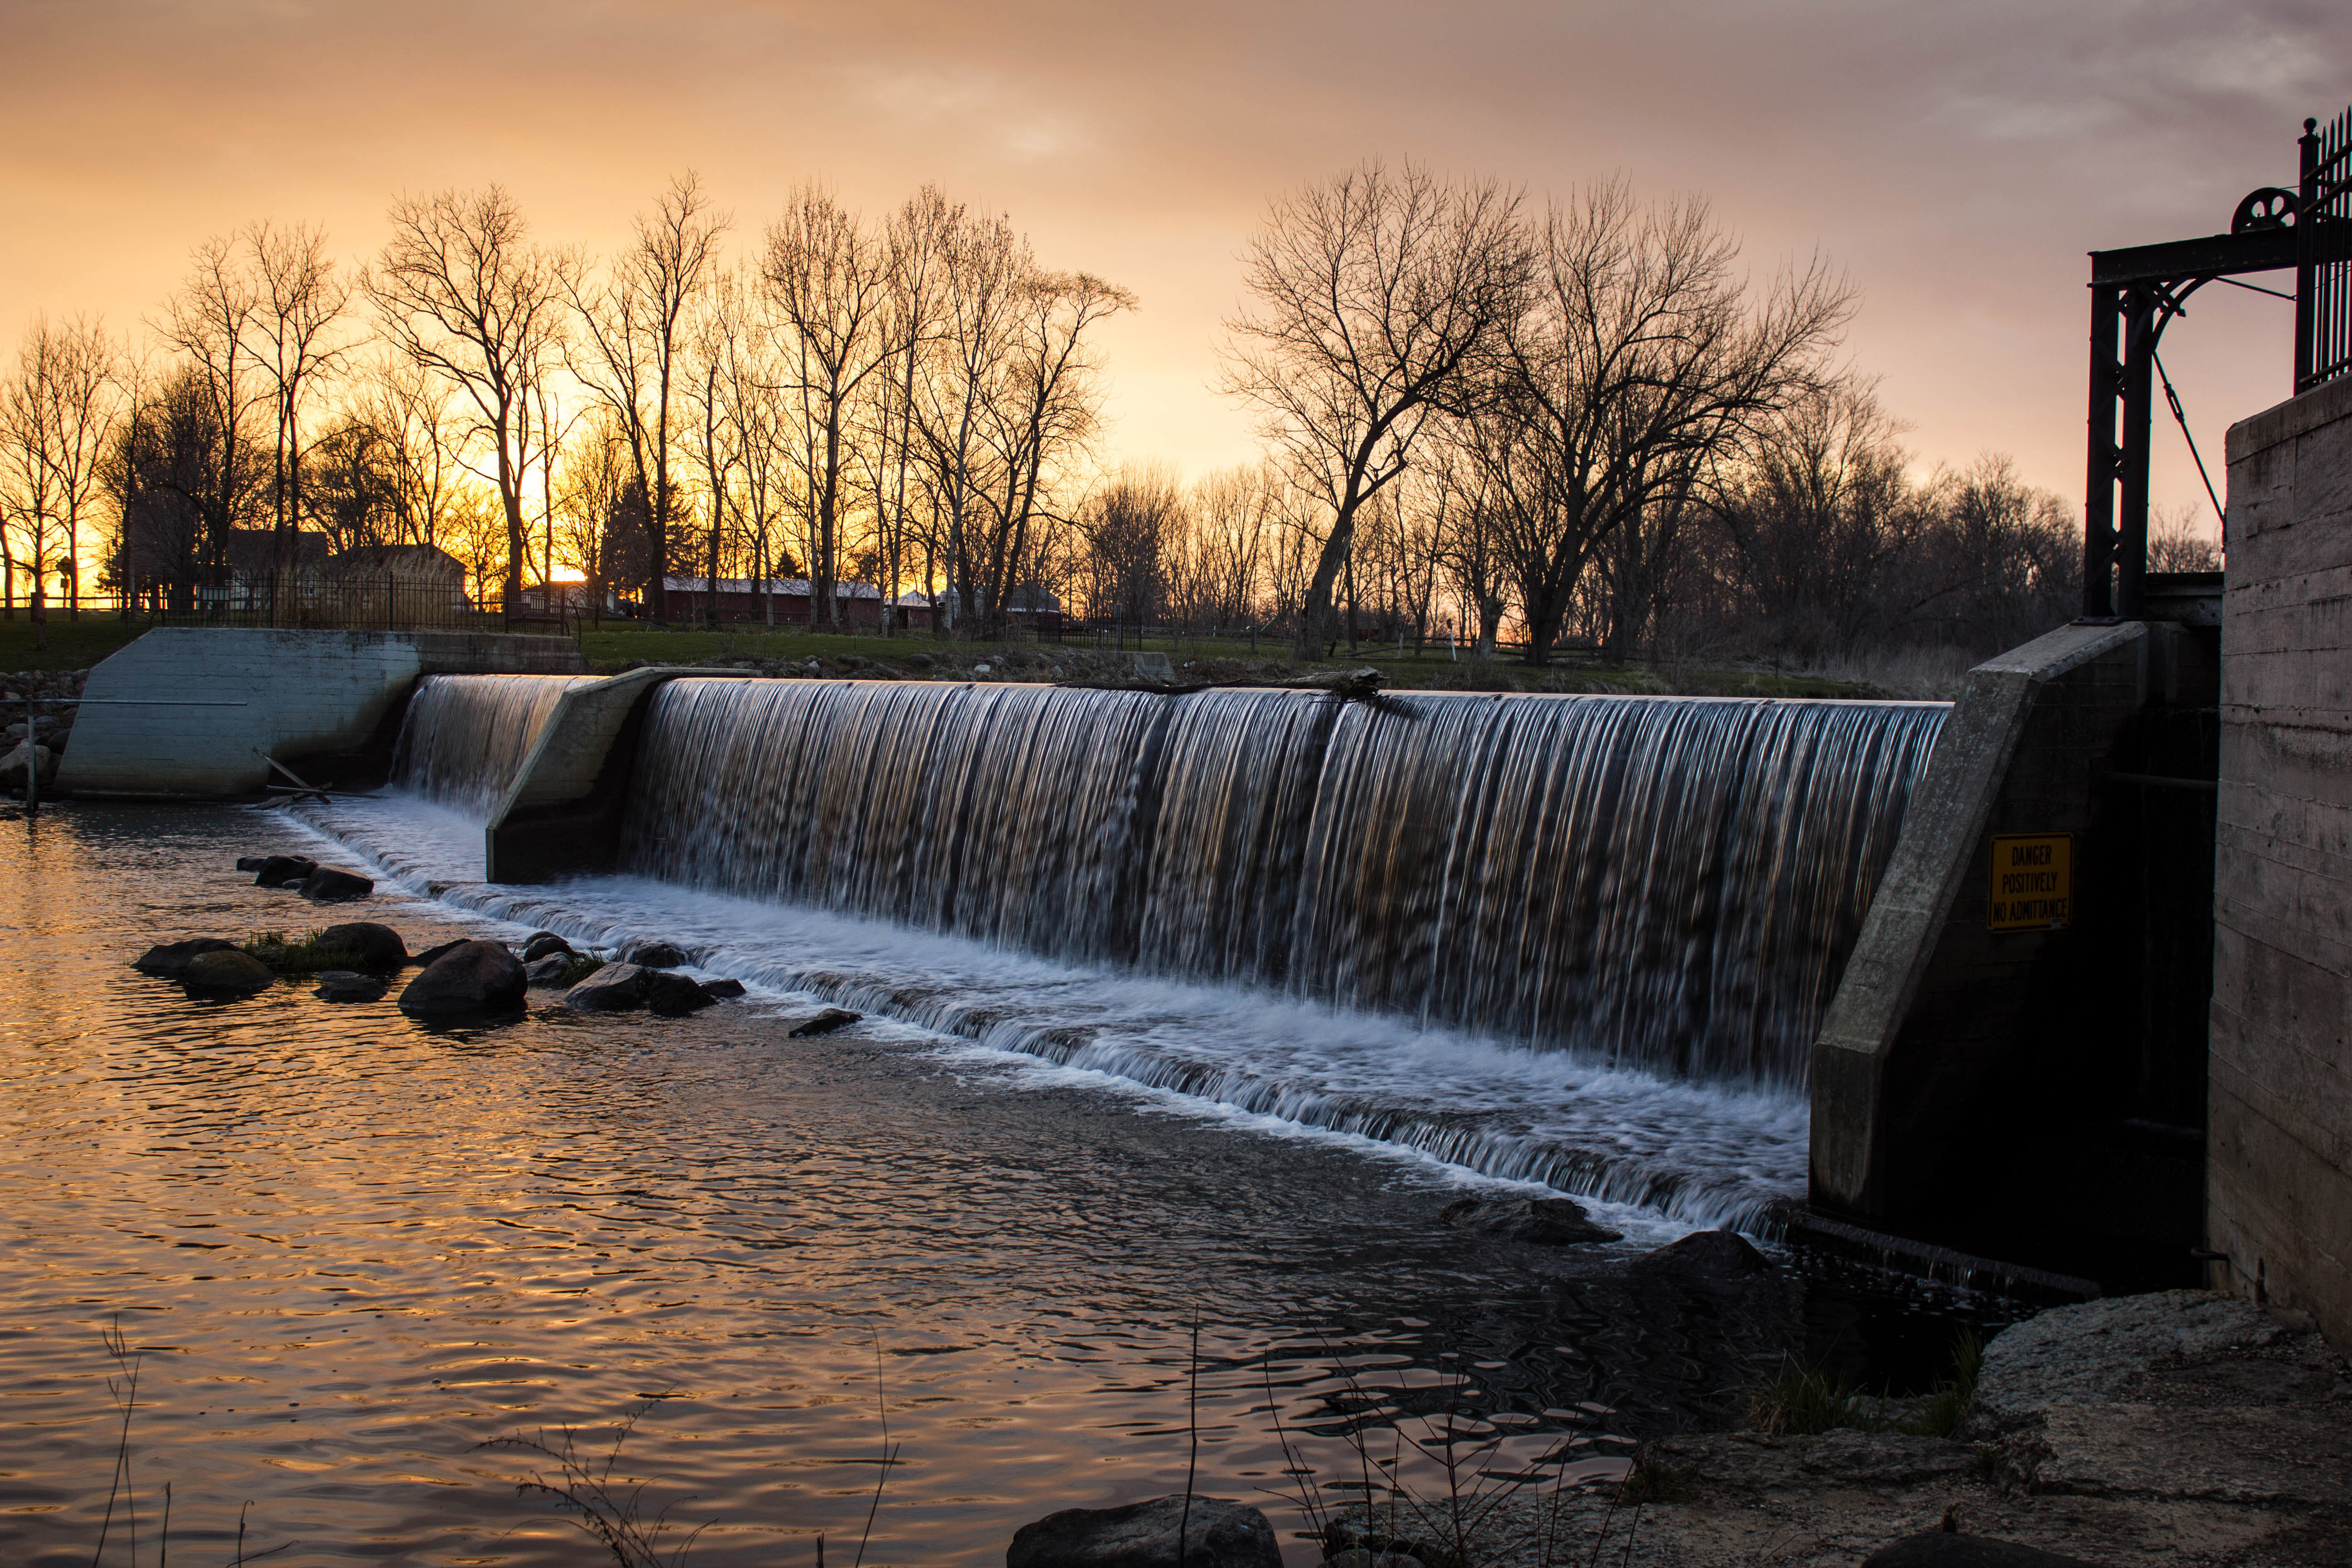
[2323, 280]
[303, 601]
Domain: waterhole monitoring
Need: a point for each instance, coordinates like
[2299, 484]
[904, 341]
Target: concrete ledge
[562, 815]
[210, 700]
[2275, 427]
[1930, 1000]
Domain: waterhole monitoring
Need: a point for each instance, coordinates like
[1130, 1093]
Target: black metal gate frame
[2135, 293]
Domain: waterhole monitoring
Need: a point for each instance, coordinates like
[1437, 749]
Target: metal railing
[2323, 280]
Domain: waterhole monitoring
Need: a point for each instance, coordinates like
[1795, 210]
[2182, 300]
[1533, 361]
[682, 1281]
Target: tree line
[1584, 424]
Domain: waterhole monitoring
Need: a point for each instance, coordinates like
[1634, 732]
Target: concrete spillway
[1666, 883]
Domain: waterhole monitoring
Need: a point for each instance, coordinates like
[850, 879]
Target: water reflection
[350, 1250]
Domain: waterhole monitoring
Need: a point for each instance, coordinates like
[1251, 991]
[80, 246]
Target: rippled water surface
[346, 1250]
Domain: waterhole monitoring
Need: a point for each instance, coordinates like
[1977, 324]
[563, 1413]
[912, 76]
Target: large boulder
[325, 884]
[2094, 1351]
[170, 960]
[1554, 1222]
[378, 946]
[615, 988]
[230, 970]
[277, 870]
[347, 985]
[1713, 1257]
[549, 971]
[542, 944]
[672, 995]
[44, 763]
[1214, 1534]
[471, 977]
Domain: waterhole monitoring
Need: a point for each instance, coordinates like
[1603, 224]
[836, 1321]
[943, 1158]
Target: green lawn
[73, 644]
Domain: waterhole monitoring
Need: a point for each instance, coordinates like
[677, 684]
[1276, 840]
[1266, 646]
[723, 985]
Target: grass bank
[74, 644]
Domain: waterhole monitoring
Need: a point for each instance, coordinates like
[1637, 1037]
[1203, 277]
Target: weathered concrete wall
[213, 700]
[2279, 1184]
[1933, 1005]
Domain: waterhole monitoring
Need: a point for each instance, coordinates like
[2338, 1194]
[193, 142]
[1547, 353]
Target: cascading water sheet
[1671, 884]
[465, 737]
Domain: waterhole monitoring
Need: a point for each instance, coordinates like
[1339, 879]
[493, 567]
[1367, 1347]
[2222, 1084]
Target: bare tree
[210, 320]
[56, 416]
[634, 329]
[1381, 300]
[460, 291]
[1638, 359]
[297, 303]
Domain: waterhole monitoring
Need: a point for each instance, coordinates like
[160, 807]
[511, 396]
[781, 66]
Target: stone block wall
[2279, 1180]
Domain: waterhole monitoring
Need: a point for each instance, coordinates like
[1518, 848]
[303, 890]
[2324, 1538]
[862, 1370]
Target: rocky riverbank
[2181, 1427]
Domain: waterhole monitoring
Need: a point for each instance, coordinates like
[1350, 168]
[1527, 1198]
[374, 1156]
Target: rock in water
[722, 990]
[672, 995]
[471, 977]
[12, 766]
[1939, 1549]
[378, 946]
[827, 1022]
[615, 988]
[548, 971]
[277, 870]
[655, 954]
[1216, 1534]
[326, 885]
[250, 862]
[1715, 1255]
[171, 959]
[347, 985]
[227, 969]
[433, 955]
[541, 943]
[1555, 1222]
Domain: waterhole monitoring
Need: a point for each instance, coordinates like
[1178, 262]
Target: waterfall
[465, 736]
[1666, 883]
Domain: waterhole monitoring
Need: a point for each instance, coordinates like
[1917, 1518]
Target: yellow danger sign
[2032, 881]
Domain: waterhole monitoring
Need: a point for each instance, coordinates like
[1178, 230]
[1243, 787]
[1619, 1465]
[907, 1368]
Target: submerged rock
[655, 954]
[227, 969]
[1711, 1255]
[171, 959]
[615, 988]
[325, 884]
[347, 985]
[1554, 1222]
[1215, 1534]
[542, 944]
[470, 978]
[277, 870]
[378, 946]
[723, 989]
[827, 1022]
[673, 995]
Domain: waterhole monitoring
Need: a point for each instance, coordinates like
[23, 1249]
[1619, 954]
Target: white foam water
[1688, 1153]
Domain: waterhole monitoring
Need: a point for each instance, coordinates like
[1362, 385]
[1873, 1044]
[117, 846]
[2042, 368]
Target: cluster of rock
[40, 746]
[469, 977]
[298, 874]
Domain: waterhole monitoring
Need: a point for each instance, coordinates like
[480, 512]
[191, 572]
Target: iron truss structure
[2135, 293]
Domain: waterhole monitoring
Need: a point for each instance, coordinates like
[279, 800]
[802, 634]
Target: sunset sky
[1957, 160]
